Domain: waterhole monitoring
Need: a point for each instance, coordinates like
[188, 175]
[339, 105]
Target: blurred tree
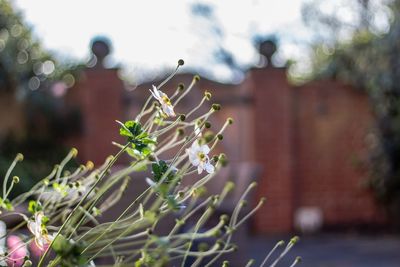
[362, 48]
[31, 114]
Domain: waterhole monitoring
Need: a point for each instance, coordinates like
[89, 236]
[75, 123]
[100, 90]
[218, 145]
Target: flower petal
[199, 169]
[209, 168]
[156, 92]
[205, 149]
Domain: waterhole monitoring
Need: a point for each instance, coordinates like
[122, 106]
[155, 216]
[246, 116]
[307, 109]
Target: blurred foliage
[33, 78]
[368, 57]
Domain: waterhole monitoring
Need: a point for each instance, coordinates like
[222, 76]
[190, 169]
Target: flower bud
[15, 179]
[294, 240]
[74, 152]
[182, 117]
[220, 136]
[223, 160]
[224, 218]
[207, 124]
[180, 131]
[181, 86]
[20, 157]
[207, 95]
[196, 78]
[181, 62]
[89, 165]
[216, 107]
[230, 120]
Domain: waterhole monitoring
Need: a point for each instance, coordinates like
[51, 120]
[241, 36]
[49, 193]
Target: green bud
[223, 160]
[181, 62]
[263, 199]
[207, 124]
[216, 107]
[182, 117]
[220, 136]
[27, 263]
[20, 157]
[196, 78]
[224, 217]
[209, 136]
[294, 240]
[181, 86]
[207, 95]
[15, 180]
[230, 120]
[243, 203]
[180, 131]
[74, 152]
[225, 264]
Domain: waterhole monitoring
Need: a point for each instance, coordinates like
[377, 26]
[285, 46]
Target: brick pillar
[273, 124]
[98, 96]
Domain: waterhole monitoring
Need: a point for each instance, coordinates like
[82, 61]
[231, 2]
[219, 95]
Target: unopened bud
[224, 218]
[207, 95]
[196, 78]
[294, 240]
[181, 86]
[182, 117]
[216, 107]
[230, 120]
[74, 152]
[20, 157]
[181, 62]
[225, 264]
[180, 131]
[220, 136]
[207, 124]
[15, 179]
[89, 165]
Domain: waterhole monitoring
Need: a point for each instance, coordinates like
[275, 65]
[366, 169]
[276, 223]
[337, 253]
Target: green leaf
[6, 204]
[34, 206]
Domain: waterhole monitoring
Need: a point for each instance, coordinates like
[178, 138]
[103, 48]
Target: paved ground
[330, 250]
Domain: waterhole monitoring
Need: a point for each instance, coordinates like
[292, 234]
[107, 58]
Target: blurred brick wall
[332, 122]
[273, 131]
[99, 95]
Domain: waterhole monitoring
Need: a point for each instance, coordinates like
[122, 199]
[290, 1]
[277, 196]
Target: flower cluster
[165, 149]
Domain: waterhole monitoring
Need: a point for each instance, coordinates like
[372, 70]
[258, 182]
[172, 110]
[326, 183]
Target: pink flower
[17, 251]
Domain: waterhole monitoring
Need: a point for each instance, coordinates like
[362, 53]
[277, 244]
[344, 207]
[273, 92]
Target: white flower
[39, 231]
[198, 156]
[165, 102]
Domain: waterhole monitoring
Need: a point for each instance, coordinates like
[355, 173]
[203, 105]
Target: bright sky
[152, 35]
